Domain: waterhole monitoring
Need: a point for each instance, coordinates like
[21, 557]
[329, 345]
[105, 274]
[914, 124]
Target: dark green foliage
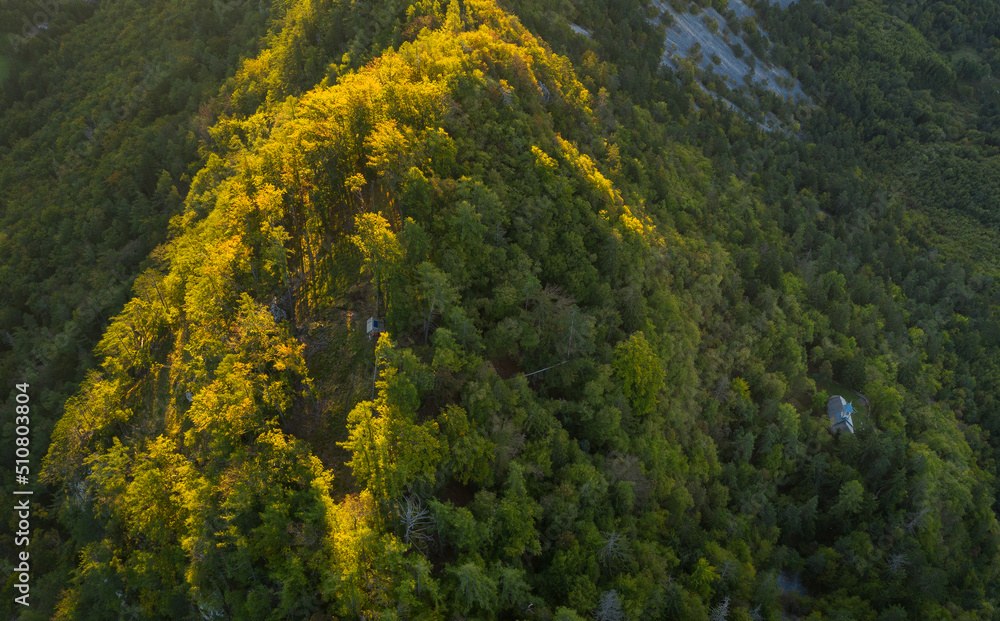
[614, 320]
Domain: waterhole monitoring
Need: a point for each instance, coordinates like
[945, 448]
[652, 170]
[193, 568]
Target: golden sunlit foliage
[609, 324]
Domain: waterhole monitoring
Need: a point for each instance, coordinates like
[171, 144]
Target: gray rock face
[717, 42]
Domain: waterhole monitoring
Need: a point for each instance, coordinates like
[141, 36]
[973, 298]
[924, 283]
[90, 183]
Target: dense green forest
[615, 309]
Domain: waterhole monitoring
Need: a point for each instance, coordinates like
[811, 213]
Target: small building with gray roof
[840, 411]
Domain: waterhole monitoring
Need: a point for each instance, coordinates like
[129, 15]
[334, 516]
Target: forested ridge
[615, 309]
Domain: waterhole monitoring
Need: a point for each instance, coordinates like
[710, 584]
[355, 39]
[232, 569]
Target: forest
[616, 296]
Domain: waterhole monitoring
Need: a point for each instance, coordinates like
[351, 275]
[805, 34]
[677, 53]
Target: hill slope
[612, 322]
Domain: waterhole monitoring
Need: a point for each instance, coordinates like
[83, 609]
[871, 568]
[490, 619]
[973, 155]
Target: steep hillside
[99, 138]
[612, 321]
